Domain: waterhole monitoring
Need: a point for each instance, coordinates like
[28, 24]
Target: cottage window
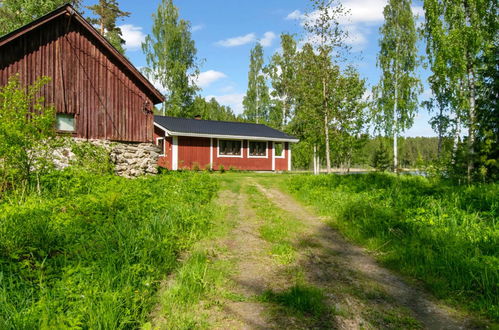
[229, 147]
[257, 149]
[279, 149]
[65, 122]
[160, 142]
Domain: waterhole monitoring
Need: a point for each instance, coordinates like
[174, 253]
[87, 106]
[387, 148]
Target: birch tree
[398, 89]
[171, 59]
[459, 33]
[282, 72]
[256, 103]
[329, 42]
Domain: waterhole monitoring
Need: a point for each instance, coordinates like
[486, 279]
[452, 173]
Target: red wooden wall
[108, 100]
[195, 152]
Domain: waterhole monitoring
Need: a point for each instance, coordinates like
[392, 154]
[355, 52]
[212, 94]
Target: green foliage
[171, 59]
[397, 92]
[257, 100]
[26, 127]
[212, 110]
[90, 250]
[380, 159]
[92, 158]
[16, 13]
[461, 46]
[447, 236]
[108, 12]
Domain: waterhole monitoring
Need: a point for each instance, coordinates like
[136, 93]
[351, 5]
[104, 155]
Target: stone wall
[130, 159]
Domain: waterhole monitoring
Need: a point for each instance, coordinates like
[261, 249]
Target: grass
[277, 228]
[90, 250]
[444, 235]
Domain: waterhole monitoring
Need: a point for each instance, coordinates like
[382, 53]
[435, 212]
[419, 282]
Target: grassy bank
[447, 236]
[89, 251]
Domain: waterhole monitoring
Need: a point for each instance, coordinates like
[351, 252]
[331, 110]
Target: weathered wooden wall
[108, 101]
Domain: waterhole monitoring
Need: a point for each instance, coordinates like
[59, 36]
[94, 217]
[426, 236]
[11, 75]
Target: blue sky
[226, 30]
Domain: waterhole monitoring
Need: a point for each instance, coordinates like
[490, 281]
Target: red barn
[97, 92]
[195, 143]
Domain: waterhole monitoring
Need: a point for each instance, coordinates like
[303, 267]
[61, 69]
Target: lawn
[445, 235]
[90, 250]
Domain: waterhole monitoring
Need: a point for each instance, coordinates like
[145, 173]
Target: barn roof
[70, 11]
[220, 129]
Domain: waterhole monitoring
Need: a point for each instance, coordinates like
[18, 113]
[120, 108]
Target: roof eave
[221, 136]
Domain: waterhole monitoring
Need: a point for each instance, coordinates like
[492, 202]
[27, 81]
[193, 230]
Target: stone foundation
[130, 159]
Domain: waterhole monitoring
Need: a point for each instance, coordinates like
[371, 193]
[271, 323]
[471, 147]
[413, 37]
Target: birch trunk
[471, 127]
[326, 127]
[395, 129]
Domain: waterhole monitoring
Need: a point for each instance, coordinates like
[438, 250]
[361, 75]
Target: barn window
[160, 142]
[279, 149]
[230, 147]
[257, 149]
[65, 122]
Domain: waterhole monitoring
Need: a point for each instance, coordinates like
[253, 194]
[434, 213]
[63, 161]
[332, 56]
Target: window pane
[229, 147]
[65, 122]
[258, 148]
[279, 149]
[161, 145]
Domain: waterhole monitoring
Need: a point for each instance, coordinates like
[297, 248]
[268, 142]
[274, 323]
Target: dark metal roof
[196, 127]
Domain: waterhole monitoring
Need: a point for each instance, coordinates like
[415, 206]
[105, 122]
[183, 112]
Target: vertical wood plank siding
[108, 101]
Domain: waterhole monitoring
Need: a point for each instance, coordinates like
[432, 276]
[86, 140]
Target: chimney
[197, 117]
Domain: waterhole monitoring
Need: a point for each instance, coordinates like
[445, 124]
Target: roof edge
[69, 9]
[221, 136]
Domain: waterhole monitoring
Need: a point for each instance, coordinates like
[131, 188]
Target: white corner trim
[283, 155]
[273, 156]
[289, 156]
[266, 150]
[164, 146]
[229, 156]
[211, 153]
[175, 153]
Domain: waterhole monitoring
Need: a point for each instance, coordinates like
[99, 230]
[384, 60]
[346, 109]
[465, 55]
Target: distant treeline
[414, 152]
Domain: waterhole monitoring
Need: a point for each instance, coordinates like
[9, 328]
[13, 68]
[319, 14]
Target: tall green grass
[89, 251]
[447, 236]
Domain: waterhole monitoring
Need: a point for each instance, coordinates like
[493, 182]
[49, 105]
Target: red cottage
[195, 143]
[97, 92]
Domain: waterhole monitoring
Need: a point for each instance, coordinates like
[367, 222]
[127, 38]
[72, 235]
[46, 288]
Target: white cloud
[238, 41]
[268, 38]
[197, 27]
[133, 36]
[235, 101]
[359, 23]
[206, 78]
[295, 15]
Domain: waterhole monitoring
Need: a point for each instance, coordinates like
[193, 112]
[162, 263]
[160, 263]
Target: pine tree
[108, 12]
[398, 89]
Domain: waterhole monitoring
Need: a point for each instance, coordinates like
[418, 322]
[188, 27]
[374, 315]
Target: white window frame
[229, 156]
[283, 150]
[164, 146]
[266, 150]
